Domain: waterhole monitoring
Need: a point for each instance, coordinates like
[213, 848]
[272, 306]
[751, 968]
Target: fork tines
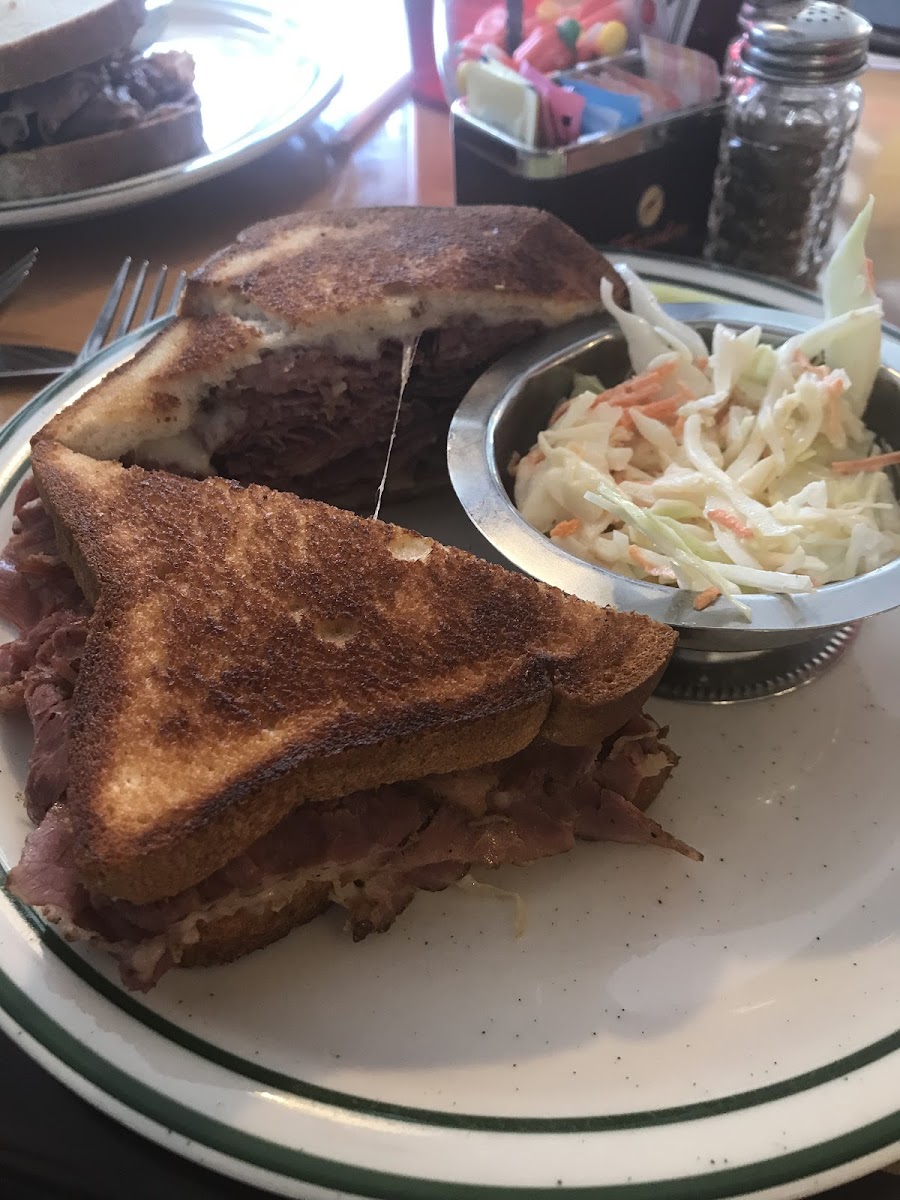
[14, 275]
[153, 305]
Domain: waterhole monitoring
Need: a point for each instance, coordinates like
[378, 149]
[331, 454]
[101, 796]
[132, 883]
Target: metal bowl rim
[478, 485]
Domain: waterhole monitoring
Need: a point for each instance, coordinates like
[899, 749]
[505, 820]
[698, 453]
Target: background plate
[663, 1030]
[257, 85]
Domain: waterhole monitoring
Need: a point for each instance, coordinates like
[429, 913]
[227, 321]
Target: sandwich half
[285, 365]
[249, 706]
[79, 108]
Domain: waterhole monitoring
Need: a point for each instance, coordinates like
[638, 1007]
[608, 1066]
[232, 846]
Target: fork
[14, 275]
[153, 307]
[22, 362]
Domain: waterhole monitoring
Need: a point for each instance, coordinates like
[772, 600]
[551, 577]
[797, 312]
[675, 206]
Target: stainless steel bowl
[720, 652]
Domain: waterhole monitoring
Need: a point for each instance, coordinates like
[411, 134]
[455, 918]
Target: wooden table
[405, 160]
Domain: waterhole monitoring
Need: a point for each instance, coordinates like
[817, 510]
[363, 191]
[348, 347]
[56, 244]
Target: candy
[613, 39]
[604, 39]
[569, 31]
[545, 50]
[549, 10]
[586, 46]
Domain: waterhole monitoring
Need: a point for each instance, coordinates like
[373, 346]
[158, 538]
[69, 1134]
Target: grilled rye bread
[250, 652]
[285, 365]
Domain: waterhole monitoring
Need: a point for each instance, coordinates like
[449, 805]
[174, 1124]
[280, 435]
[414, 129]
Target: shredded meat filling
[114, 94]
[317, 423]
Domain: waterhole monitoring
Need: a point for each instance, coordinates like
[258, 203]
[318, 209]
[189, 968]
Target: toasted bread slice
[224, 939]
[156, 394]
[408, 264]
[171, 136]
[251, 651]
[347, 281]
[40, 39]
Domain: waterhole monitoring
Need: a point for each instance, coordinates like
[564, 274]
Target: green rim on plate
[298, 1165]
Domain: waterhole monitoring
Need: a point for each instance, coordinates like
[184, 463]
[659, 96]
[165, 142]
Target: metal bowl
[721, 653]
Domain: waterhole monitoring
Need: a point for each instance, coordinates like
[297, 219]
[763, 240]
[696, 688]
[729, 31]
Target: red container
[426, 83]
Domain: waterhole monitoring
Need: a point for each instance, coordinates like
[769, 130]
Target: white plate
[664, 1030]
[257, 86]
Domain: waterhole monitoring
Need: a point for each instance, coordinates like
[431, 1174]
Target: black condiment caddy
[646, 188]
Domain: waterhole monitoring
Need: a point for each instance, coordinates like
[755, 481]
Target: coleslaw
[739, 467]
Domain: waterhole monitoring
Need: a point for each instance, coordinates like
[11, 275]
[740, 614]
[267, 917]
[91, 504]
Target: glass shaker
[751, 10]
[792, 111]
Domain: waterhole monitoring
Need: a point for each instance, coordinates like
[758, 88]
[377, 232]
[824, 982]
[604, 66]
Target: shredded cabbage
[715, 469]
[469, 884]
[847, 286]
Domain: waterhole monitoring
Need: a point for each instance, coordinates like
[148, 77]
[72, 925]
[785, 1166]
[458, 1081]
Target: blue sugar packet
[605, 111]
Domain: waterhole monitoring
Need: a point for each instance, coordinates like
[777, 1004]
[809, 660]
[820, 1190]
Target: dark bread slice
[170, 136]
[40, 39]
[251, 651]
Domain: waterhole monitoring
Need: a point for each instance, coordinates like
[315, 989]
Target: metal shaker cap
[817, 42]
[754, 10]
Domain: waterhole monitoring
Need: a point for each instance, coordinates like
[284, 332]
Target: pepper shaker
[792, 110]
[750, 11]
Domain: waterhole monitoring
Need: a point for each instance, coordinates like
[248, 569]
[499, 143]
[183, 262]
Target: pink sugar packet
[561, 110]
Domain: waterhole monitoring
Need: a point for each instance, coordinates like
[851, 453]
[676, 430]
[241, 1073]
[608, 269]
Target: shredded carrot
[642, 395]
[802, 361]
[626, 422]
[877, 462]
[729, 520]
[632, 391]
[702, 362]
[870, 274]
[679, 427]
[560, 411]
[640, 559]
[706, 598]
[660, 409]
[638, 389]
[534, 457]
[566, 528]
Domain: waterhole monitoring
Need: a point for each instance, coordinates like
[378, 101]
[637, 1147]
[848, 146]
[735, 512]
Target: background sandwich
[249, 706]
[78, 108]
[285, 365]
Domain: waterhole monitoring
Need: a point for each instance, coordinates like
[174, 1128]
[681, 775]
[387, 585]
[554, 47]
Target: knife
[22, 362]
